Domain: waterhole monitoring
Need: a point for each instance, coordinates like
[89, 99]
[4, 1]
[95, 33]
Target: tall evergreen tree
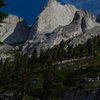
[1, 3]
[2, 14]
[34, 58]
[52, 82]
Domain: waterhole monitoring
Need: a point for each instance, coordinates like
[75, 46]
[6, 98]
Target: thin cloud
[90, 5]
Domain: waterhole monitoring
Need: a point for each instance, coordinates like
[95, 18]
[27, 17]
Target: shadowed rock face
[90, 28]
[98, 18]
[85, 20]
[82, 95]
[13, 30]
[82, 38]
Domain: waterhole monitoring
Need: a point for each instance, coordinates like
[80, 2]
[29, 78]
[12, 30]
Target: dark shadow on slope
[20, 34]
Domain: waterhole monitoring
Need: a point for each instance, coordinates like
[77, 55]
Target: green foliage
[91, 47]
[1, 3]
[52, 82]
[35, 72]
[43, 79]
[57, 53]
[77, 73]
[8, 79]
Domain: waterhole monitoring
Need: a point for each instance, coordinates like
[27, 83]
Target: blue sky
[28, 9]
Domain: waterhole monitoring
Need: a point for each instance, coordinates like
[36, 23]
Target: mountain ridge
[81, 22]
[13, 30]
[54, 23]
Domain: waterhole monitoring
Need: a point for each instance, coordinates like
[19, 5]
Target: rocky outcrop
[93, 94]
[85, 20]
[52, 15]
[5, 51]
[82, 38]
[13, 30]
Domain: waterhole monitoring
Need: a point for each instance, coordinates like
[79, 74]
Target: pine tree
[1, 3]
[49, 57]
[34, 58]
[42, 57]
[52, 83]
[2, 14]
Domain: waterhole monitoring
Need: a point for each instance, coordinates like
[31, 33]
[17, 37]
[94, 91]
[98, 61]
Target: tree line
[30, 78]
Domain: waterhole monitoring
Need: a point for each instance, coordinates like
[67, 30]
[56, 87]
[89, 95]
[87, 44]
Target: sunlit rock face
[52, 15]
[82, 38]
[13, 30]
[6, 51]
[57, 22]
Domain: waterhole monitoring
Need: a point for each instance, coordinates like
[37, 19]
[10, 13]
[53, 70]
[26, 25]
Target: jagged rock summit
[52, 15]
[57, 22]
[82, 22]
[54, 23]
[13, 30]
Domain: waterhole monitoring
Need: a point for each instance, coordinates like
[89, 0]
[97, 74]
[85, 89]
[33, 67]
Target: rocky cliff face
[98, 18]
[52, 15]
[85, 20]
[82, 95]
[89, 28]
[83, 23]
[55, 22]
[5, 51]
[82, 38]
[13, 30]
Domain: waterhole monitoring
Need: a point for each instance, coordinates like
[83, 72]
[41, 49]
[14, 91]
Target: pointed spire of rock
[52, 15]
[49, 2]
